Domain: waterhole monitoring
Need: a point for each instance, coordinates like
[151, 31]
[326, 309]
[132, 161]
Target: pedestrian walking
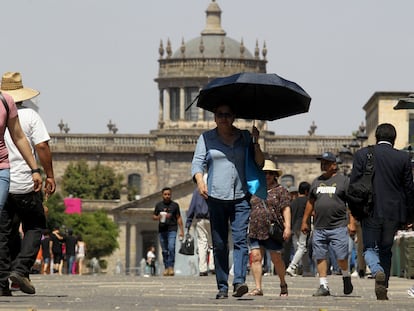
[276, 206]
[300, 239]
[331, 222]
[393, 202]
[167, 213]
[198, 213]
[222, 151]
[24, 202]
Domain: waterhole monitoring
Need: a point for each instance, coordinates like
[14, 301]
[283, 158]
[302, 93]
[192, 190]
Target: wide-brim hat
[271, 166]
[11, 83]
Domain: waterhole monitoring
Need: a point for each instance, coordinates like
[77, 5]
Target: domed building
[196, 62]
[163, 157]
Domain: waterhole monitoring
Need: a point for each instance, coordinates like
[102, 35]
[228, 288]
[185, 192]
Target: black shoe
[213, 271]
[348, 287]
[361, 273]
[24, 283]
[5, 292]
[240, 289]
[203, 273]
[380, 288]
[222, 295]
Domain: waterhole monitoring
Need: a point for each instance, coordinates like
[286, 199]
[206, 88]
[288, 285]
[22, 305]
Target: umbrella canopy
[257, 96]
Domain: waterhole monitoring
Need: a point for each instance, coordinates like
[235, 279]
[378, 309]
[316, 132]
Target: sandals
[283, 290]
[256, 292]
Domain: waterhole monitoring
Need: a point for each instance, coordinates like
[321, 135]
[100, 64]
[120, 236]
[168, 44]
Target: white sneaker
[355, 274]
[410, 292]
[291, 272]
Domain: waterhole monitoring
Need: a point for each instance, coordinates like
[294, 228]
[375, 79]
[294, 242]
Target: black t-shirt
[57, 244]
[70, 242]
[171, 222]
[298, 209]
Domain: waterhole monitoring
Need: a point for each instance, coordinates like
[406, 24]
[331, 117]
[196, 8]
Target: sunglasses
[224, 115]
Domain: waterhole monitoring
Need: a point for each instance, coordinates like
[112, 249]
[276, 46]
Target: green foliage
[56, 211]
[132, 192]
[97, 183]
[98, 231]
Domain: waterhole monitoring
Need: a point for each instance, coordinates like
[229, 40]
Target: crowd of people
[61, 252]
[325, 237]
[316, 220]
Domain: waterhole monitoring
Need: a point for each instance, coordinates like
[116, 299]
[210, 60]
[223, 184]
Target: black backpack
[360, 193]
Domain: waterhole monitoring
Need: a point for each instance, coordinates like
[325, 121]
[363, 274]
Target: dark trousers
[28, 210]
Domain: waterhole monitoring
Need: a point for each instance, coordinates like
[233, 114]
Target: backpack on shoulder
[360, 193]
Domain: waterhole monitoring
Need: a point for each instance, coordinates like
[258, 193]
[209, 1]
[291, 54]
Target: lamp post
[405, 103]
[346, 153]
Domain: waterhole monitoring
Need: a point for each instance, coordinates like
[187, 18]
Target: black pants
[28, 210]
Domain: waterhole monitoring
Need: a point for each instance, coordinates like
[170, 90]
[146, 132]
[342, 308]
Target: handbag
[360, 193]
[187, 245]
[255, 177]
[276, 227]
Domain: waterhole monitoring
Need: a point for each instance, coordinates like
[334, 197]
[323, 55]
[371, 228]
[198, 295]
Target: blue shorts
[268, 244]
[337, 239]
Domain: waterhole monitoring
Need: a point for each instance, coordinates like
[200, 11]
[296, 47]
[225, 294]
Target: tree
[97, 183]
[98, 231]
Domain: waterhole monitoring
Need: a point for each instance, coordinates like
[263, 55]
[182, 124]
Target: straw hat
[11, 83]
[271, 166]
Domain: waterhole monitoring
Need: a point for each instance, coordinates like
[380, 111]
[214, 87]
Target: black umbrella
[258, 96]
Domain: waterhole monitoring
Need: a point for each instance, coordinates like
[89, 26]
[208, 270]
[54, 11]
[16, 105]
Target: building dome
[215, 46]
[184, 71]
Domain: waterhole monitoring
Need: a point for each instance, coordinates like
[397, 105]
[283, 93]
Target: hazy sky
[96, 60]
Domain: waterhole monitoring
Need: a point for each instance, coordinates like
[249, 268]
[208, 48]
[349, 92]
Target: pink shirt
[4, 155]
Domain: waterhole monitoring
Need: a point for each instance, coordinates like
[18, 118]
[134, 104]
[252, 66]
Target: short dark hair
[165, 189]
[386, 132]
[304, 187]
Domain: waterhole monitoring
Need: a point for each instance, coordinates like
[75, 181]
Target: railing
[116, 143]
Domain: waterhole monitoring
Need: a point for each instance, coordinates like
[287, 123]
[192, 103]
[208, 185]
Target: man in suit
[393, 200]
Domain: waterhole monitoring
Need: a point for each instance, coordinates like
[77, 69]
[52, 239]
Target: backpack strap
[6, 106]
[369, 167]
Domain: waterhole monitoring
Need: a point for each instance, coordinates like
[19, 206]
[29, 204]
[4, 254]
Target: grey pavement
[119, 292]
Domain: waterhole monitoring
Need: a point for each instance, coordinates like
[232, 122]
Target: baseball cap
[327, 156]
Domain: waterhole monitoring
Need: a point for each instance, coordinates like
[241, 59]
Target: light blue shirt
[224, 164]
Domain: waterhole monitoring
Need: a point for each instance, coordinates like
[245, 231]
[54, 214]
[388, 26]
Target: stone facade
[163, 157]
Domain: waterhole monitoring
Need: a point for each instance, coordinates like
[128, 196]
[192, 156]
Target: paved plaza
[107, 292]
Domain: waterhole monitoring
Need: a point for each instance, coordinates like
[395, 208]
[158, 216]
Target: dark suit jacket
[392, 182]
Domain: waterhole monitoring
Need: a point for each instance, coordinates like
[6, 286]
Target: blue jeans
[4, 186]
[238, 214]
[378, 236]
[71, 261]
[167, 241]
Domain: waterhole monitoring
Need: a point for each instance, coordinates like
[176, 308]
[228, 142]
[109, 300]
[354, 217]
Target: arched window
[134, 186]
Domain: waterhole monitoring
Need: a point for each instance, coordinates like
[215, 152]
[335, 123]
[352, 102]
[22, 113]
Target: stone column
[182, 103]
[167, 104]
[127, 248]
[161, 106]
[133, 249]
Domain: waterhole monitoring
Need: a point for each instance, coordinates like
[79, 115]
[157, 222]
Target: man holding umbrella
[222, 152]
